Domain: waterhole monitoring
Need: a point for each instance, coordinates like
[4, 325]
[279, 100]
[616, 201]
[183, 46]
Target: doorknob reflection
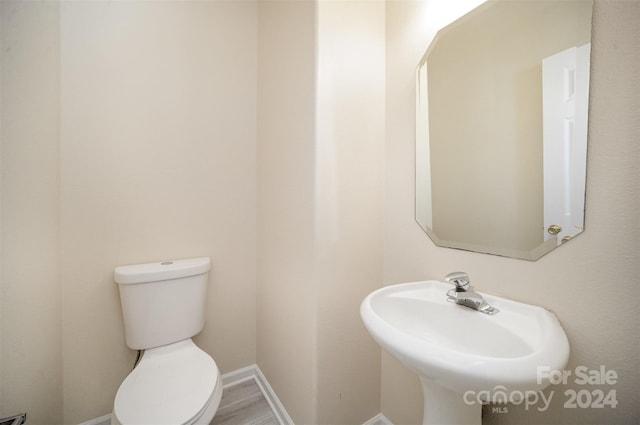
[554, 229]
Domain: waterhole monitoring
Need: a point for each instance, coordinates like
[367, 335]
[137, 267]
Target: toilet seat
[173, 384]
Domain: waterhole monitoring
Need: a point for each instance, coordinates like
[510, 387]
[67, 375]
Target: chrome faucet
[464, 294]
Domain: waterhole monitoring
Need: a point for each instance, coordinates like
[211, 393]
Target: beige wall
[580, 281]
[321, 129]
[151, 153]
[30, 359]
[348, 204]
[128, 135]
[286, 338]
[158, 161]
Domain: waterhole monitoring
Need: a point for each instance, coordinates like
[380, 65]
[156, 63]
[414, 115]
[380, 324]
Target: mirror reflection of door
[565, 86]
[484, 176]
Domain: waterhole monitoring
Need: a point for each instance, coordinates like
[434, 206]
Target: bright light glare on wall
[437, 14]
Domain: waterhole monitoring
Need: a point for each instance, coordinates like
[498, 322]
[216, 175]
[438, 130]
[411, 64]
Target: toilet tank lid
[164, 270]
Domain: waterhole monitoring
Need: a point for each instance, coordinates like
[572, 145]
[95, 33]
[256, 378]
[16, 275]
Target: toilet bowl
[175, 382]
[178, 384]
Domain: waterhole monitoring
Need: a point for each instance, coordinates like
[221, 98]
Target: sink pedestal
[445, 407]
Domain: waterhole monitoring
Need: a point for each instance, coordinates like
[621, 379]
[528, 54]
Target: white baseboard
[239, 375]
[244, 374]
[254, 372]
[379, 419]
[102, 420]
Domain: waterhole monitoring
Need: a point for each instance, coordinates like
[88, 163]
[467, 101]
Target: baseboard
[254, 372]
[379, 419]
[244, 374]
[239, 375]
[102, 420]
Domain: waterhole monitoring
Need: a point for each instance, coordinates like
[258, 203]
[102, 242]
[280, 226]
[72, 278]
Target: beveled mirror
[501, 128]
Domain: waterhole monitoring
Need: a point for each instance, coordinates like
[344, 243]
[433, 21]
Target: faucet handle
[460, 279]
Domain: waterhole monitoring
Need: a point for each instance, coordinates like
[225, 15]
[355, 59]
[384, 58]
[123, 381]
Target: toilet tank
[162, 302]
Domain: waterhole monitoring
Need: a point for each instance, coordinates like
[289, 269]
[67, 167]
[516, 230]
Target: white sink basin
[461, 353]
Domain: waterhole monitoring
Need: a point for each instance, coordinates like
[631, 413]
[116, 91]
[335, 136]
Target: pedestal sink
[464, 357]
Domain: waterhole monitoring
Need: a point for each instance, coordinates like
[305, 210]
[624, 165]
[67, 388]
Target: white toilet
[175, 382]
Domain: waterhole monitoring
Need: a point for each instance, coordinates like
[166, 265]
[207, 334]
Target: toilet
[175, 382]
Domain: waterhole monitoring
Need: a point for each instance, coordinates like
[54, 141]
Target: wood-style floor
[243, 403]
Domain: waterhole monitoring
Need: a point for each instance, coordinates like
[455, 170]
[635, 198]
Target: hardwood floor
[243, 403]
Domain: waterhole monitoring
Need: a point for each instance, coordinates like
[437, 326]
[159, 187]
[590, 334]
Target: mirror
[501, 128]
